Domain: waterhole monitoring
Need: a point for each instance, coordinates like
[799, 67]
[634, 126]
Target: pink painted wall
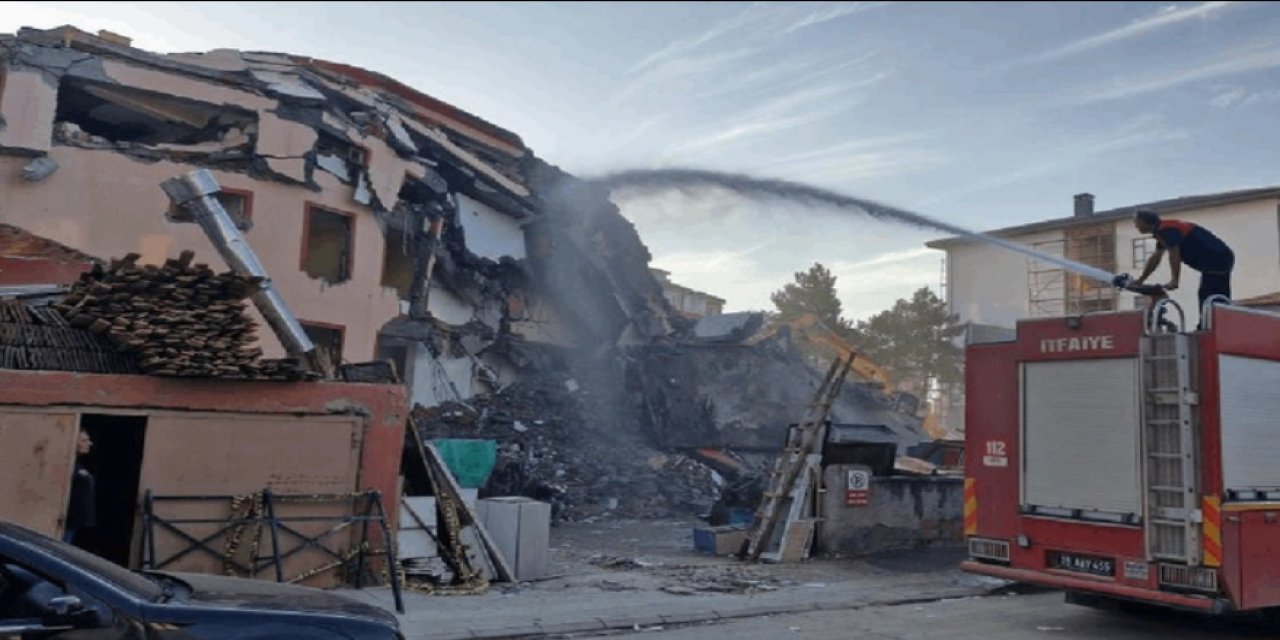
[106, 204]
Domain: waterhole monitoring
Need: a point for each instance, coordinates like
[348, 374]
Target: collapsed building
[515, 301]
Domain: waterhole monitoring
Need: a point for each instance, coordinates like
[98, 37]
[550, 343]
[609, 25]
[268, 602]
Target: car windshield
[133, 583]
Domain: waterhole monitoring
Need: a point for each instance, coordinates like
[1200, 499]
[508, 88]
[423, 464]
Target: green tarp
[470, 461]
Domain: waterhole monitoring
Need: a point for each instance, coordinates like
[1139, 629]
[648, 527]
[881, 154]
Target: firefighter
[1188, 244]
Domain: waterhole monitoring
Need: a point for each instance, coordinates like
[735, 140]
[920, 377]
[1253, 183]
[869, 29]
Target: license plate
[1092, 565]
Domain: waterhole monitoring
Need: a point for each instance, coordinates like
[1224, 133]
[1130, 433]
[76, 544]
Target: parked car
[51, 590]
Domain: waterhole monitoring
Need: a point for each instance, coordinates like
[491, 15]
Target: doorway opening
[115, 461]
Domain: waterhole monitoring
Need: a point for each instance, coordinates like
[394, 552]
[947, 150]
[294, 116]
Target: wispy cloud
[893, 257]
[832, 11]
[658, 79]
[1255, 57]
[1166, 16]
[861, 159]
[679, 47]
[793, 72]
[1228, 98]
[752, 31]
[868, 286]
[779, 114]
[697, 263]
[1240, 97]
[1144, 131]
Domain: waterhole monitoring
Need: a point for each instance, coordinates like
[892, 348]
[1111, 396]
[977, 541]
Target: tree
[914, 340]
[814, 291]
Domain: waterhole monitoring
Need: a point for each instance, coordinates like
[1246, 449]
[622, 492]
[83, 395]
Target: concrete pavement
[998, 617]
[575, 610]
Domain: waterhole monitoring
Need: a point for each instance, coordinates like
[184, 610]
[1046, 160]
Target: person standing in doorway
[81, 507]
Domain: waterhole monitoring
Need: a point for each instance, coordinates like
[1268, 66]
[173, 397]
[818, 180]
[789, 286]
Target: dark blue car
[52, 590]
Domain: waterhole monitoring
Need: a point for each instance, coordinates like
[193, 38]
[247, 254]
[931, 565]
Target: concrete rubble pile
[742, 395]
[560, 444]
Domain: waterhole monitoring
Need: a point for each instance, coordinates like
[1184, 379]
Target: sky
[982, 114]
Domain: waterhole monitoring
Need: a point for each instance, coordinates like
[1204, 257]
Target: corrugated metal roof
[1172, 205]
[34, 337]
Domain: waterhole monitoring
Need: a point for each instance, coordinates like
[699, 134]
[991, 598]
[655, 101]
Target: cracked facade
[516, 301]
[395, 225]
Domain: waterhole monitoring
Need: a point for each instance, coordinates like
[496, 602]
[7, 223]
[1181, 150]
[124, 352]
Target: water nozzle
[1122, 281]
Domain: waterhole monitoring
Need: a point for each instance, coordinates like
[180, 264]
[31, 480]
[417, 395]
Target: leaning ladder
[1173, 517]
[780, 498]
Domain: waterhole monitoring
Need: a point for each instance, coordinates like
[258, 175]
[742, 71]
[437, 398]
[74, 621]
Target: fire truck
[1120, 456]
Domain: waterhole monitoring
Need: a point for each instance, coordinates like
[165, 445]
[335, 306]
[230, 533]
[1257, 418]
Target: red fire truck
[1117, 457]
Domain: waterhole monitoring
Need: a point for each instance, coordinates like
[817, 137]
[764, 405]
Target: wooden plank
[431, 457]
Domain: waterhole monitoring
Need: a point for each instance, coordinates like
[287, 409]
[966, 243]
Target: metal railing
[259, 510]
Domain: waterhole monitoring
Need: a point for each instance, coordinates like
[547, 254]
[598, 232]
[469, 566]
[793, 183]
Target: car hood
[258, 595]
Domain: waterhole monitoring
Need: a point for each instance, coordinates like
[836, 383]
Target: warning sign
[857, 488]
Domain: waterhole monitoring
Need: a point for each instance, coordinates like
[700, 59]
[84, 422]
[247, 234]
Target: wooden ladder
[782, 500]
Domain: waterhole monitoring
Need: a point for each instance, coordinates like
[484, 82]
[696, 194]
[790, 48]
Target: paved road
[1014, 617]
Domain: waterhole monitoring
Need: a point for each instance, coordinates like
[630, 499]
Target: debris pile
[178, 319]
[559, 443]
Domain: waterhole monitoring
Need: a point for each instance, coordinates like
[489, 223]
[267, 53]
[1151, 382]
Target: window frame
[246, 210]
[349, 270]
[340, 328]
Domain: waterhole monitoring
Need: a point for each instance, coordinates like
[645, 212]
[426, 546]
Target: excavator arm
[816, 333]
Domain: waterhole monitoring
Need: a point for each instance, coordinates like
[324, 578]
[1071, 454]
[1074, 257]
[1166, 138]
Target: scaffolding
[1046, 288]
[1054, 291]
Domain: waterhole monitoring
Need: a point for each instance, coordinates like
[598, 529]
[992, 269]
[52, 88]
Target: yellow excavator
[825, 345]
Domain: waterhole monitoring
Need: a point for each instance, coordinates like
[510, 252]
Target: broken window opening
[126, 114]
[339, 157]
[397, 262]
[328, 340]
[328, 244]
[237, 202]
[397, 352]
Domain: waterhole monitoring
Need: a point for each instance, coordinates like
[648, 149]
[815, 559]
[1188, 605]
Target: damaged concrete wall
[593, 261]
[109, 123]
[507, 268]
[902, 513]
[108, 204]
[490, 234]
[27, 105]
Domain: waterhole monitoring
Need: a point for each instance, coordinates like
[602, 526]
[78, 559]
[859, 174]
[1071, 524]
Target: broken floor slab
[287, 85]
[190, 88]
[28, 104]
[218, 59]
[490, 233]
[281, 138]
